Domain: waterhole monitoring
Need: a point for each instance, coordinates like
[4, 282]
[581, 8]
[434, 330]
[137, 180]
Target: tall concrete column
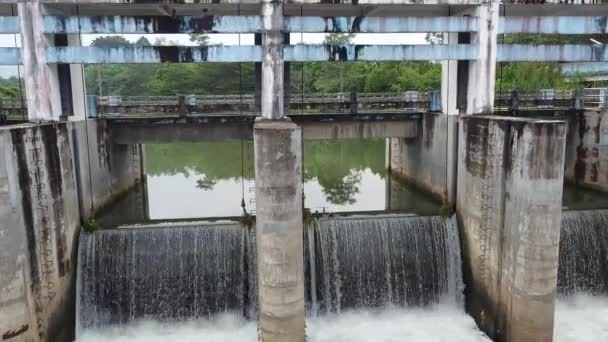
[41, 86]
[482, 72]
[278, 170]
[510, 181]
[278, 167]
[58, 90]
[468, 87]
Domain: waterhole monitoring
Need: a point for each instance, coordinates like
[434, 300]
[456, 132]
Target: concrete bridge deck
[218, 128]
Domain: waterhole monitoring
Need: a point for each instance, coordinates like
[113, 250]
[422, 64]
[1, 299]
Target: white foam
[443, 323]
[581, 318]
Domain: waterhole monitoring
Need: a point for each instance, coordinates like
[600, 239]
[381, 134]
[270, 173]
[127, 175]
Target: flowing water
[378, 278]
[582, 309]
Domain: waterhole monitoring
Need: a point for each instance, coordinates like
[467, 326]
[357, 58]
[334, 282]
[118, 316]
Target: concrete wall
[39, 223]
[43, 177]
[426, 160]
[587, 150]
[510, 177]
[106, 170]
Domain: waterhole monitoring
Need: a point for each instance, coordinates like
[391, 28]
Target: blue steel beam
[252, 24]
[381, 24]
[554, 25]
[9, 25]
[152, 24]
[181, 54]
[552, 53]
[153, 54]
[585, 69]
[10, 56]
[300, 53]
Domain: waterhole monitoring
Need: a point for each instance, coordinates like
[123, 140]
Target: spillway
[179, 272]
[166, 273]
[583, 260]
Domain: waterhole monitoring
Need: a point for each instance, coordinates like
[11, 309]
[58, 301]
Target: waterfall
[387, 260]
[583, 252]
[181, 271]
[168, 272]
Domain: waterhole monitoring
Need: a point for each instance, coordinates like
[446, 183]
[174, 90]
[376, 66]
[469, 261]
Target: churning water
[380, 278]
[441, 323]
[581, 313]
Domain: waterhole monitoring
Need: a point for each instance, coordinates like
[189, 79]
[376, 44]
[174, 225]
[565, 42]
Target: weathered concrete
[425, 161]
[39, 221]
[587, 150]
[510, 177]
[482, 72]
[105, 169]
[272, 59]
[44, 193]
[280, 269]
[39, 78]
[222, 129]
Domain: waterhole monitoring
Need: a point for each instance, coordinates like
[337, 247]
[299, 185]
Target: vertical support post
[510, 183]
[278, 171]
[278, 179]
[257, 37]
[54, 91]
[272, 60]
[41, 87]
[482, 72]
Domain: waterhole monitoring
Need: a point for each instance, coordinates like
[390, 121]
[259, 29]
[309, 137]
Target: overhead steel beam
[153, 54]
[9, 25]
[252, 24]
[368, 24]
[552, 53]
[302, 53]
[151, 24]
[554, 25]
[585, 69]
[10, 56]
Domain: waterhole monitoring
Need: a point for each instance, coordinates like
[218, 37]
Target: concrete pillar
[280, 268]
[468, 86]
[258, 77]
[482, 72]
[272, 59]
[510, 181]
[278, 180]
[39, 78]
[59, 89]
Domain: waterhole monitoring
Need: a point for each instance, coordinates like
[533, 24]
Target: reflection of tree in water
[205, 183]
[344, 192]
[336, 165]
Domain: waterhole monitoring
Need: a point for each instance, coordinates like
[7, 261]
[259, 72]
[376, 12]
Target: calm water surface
[213, 180]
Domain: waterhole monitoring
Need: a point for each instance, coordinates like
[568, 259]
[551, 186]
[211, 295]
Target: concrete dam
[450, 188]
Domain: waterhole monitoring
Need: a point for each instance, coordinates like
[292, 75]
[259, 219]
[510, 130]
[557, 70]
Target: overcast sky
[10, 40]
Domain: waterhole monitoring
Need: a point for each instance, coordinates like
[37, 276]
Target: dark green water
[211, 180]
[215, 179]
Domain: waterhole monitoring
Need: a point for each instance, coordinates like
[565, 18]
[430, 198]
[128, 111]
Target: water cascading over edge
[583, 252]
[169, 272]
[386, 260]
